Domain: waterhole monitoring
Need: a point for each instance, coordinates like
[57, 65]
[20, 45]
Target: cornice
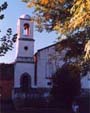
[26, 39]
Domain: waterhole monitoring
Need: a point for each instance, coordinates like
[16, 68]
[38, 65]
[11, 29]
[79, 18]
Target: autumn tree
[6, 41]
[71, 18]
[61, 15]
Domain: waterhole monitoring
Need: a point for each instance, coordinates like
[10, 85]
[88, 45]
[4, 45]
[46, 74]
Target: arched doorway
[25, 82]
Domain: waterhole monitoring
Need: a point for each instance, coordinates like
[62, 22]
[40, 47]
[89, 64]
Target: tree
[62, 15]
[66, 85]
[69, 17]
[72, 18]
[76, 51]
[6, 42]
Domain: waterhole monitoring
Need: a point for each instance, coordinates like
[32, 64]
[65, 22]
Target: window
[26, 29]
[26, 48]
[49, 69]
[49, 83]
[88, 75]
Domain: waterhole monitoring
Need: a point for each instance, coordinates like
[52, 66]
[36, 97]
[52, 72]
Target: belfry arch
[26, 29]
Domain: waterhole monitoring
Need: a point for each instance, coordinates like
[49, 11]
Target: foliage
[74, 65]
[74, 44]
[2, 8]
[6, 42]
[61, 15]
[66, 85]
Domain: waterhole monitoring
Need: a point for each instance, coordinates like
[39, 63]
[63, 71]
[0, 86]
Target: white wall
[21, 68]
[22, 51]
[48, 60]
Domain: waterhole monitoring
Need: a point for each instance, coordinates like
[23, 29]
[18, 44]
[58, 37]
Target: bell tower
[24, 66]
[25, 37]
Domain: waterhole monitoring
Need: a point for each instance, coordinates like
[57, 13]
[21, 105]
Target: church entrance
[25, 82]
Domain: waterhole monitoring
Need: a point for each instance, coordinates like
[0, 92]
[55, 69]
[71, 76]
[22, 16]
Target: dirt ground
[9, 108]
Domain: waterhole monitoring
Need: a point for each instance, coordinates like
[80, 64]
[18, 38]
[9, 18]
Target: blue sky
[15, 9]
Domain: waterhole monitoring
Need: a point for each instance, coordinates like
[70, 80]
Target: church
[30, 72]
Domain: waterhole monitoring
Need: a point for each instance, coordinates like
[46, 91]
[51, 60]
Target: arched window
[25, 82]
[26, 29]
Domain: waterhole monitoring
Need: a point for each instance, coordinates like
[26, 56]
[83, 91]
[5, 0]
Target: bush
[66, 85]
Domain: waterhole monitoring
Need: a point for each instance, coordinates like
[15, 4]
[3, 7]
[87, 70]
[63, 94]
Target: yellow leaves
[57, 27]
[61, 28]
[44, 2]
[79, 13]
[35, 2]
[61, 1]
[79, 21]
[88, 4]
[31, 3]
[80, 7]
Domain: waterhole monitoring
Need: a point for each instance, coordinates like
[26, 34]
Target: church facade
[31, 74]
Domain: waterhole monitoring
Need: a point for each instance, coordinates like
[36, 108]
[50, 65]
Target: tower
[24, 66]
